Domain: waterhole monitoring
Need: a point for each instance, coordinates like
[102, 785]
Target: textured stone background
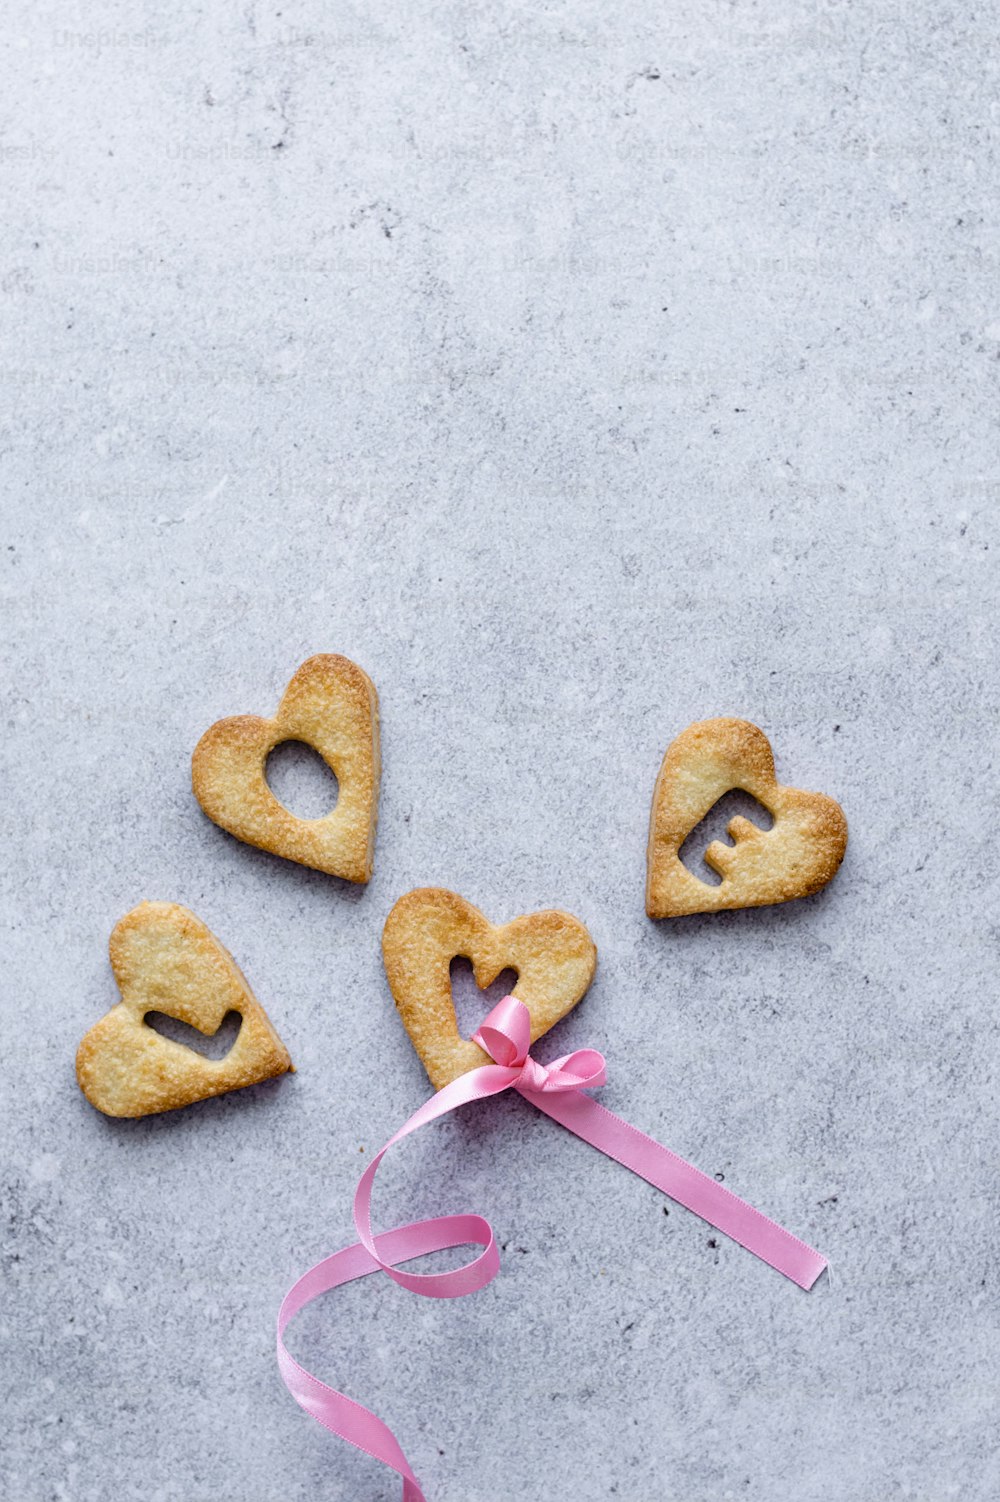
[581, 370]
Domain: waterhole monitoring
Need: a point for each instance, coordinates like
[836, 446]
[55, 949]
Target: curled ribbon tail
[478, 1084]
[344, 1417]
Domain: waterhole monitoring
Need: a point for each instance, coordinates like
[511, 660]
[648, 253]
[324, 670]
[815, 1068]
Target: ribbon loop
[506, 1035]
[583, 1070]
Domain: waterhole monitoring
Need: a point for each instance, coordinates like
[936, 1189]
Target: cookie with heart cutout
[332, 706]
[552, 952]
[796, 857]
[165, 960]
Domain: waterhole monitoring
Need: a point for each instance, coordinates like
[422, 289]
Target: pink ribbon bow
[557, 1089]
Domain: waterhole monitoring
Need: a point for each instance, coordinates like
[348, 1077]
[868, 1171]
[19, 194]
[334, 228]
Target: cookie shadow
[250, 859]
[770, 919]
[245, 1103]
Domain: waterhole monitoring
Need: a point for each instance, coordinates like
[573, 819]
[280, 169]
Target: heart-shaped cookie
[552, 952]
[332, 706]
[166, 960]
[797, 856]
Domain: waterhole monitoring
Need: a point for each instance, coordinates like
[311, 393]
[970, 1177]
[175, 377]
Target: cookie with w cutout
[166, 960]
[795, 858]
[332, 706]
[552, 952]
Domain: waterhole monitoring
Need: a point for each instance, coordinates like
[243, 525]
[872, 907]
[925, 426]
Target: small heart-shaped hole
[212, 1046]
[472, 1006]
[713, 827]
[301, 780]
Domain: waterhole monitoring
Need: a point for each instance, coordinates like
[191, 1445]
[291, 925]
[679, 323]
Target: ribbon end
[811, 1269]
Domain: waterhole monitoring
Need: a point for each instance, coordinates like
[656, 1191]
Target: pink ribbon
[557, 1089]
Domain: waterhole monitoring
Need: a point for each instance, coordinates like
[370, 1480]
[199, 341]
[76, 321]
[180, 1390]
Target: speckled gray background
[581, 370]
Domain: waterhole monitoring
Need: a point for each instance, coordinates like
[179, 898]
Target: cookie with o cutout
[331, 705]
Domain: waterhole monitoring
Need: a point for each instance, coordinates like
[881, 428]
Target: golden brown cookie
[332, 706]
[797, 856]
[166, 960]
[552, 952]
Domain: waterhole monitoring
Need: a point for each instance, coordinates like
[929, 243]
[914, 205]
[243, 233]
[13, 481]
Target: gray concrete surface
[580, 370]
